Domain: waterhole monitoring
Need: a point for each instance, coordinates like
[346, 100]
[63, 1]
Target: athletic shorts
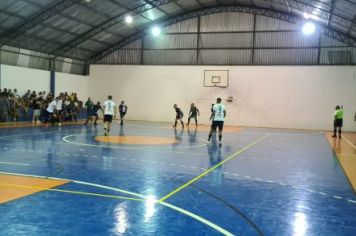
[108, 118]
[338, 122]
[179, 116]
[122, 114]
[58, 112]
[95, 113]
[219, 124]
[37, 112]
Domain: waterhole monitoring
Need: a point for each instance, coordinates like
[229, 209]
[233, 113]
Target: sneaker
[59, 124]
[334, 136]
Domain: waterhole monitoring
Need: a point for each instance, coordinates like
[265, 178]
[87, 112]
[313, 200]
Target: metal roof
[84, 29]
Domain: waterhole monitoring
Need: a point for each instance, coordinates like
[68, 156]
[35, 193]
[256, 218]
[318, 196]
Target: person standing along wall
[338, 120]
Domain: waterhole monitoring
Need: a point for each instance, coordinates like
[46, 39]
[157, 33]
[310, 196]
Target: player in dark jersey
[193, 113]
[96, 108]
[122, 110]
[179, 116]
[89, 107]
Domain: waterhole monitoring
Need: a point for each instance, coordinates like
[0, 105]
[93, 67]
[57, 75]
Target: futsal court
[147, 178]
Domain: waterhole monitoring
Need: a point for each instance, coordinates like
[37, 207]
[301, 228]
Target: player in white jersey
[109, 114]
[58, 110]
[219, 113]
[50, 111]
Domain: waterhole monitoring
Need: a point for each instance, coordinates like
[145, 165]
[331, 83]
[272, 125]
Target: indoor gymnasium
[178, 117]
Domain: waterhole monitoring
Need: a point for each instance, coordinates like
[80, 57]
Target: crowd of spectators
[13, 105]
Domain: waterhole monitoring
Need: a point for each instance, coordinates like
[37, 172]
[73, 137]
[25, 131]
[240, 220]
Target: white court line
[14, 163]
[65, 139]
[181, 210]
[348, 141]
[15, 135]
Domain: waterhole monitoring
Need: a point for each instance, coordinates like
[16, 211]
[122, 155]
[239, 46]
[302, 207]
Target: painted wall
[39, 80]
[72, 84]
[24, 78]
[301, 97]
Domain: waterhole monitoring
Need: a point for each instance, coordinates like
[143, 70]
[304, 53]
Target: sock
[209, 137]
[220, 137]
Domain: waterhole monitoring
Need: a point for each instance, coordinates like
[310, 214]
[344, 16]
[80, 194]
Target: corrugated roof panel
[190, 25]
[4, 4]
[122, 57]
[336, 56]
[171, 41]
[106, 37]
[327, 41]
[85, 15]
[171, 8]
[226, 40]
[208, 2]
[169, 57]
[109, 7]
[230, 21]
[7, 21]
[188, 4]
[225, 57]
[137, 44]
[93, 45]
[268, 23]
[131, 3]
[285, 39]
[153, 14]
[24, 9]
[286, 56]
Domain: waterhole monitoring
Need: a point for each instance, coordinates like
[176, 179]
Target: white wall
[24, 79]
[39, 80]
[301, 97]
[72, 84]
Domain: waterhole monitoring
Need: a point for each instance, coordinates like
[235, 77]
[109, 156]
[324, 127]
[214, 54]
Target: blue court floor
[258, 182]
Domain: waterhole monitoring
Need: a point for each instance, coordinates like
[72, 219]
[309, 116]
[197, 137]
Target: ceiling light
[128, 19]
[308, 28]
[156, 31]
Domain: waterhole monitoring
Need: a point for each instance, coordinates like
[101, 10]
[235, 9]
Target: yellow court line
[72, 192]
[178, 209]
[211, 169]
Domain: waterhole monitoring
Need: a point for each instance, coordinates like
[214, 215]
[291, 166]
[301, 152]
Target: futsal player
[96, 108]
[109, 114]
[122, 111]
[338, 120]
[49, 113]
[193, 113]
[179, 116]
[219, 113]
[89, 107]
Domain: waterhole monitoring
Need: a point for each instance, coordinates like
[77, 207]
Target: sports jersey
[109, 107]
[51, 106]
[194, 110]
[179, 112]
[339, 114]
[219, 112]
[59, 104]
[122, 108]
[89, 105]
